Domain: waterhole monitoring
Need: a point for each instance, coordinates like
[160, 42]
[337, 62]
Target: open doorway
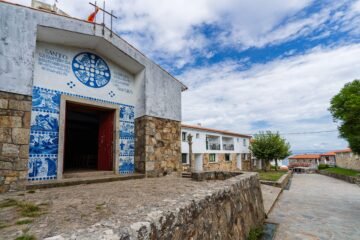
[88, 143]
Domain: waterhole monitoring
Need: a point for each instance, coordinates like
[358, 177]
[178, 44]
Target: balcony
[212, 142]
[229, 147]
[228, 143]
[213, 146]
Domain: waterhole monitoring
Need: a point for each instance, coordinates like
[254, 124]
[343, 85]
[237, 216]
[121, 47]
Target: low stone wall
[14, 140]
[349, 179]
[157, 146]
[226, 210]
[348, 160]
[213, 175]
[281, 183]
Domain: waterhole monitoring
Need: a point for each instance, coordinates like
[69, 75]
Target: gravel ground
[67, 209]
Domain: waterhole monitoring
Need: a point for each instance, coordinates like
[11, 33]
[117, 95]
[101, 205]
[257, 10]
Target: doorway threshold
[87, 173]
[82, 180]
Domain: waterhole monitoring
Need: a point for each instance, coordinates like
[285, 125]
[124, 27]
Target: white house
[215, 149]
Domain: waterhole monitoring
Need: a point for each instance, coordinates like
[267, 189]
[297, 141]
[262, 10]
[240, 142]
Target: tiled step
[82, 180]
[84, 174]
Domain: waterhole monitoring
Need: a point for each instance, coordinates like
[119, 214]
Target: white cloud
[292, 94]
[167, 29]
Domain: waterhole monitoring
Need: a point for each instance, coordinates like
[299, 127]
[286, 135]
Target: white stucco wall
[199, 144]
[53, 70]
[161, 93]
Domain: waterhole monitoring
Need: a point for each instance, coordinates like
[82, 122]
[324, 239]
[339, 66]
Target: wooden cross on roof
[105, 13]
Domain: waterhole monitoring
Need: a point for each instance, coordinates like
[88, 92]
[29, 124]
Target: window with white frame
[227, 157]
[183, 136]
[198, 135]
[184, 158]
[244, 142]
[238, 139]
[212, 157]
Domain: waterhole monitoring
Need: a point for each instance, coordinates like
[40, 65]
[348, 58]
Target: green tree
[345, 109]
[268, 146]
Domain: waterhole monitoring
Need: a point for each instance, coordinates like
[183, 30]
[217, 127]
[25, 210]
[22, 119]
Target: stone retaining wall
[213, 175]
[14, 140]
[157, 146]
[227, 211]
[348, 160]
[350, 179]
[281, 183]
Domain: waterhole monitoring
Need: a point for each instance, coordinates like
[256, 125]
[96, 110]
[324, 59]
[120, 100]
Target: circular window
[91, 70]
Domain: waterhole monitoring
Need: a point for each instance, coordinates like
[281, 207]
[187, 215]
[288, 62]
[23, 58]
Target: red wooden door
[105, 152]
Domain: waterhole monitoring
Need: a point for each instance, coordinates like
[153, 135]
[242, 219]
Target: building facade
[328, 158]
[214, 149]
[347, 159]
[74, 96]
[305, 160]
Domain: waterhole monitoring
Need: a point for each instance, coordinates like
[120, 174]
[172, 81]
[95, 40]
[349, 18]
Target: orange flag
[91, 17]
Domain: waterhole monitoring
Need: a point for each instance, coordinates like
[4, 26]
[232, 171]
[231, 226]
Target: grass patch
[29, 209]
[100, 206]
[26, 237]
[8, 203]
[3, 225]
[26, 209]
[271, 175]
[255, 233]
[342, 171]
[23, 222]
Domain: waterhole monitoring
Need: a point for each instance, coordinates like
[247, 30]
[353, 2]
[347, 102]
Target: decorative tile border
[45, 133]
[42, 167]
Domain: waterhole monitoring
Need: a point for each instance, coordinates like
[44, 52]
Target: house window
[227, 157]
[244, 156]
[197, 135]
[183, 134]
[184, 158]
[212, 157]
[238, 139]
[244, 142]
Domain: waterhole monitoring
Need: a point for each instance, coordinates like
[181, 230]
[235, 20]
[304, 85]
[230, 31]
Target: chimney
[199, 124]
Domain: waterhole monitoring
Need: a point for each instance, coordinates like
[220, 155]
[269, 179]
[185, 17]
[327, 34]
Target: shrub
[255, 233]
[323, 166]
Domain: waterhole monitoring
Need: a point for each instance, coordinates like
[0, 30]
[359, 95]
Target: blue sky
[249, 65]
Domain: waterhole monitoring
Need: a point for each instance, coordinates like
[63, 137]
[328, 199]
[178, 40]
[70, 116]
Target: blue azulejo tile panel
[127, 113]
[44, 121]
[126, 130]
[45, 100]
[127, 147]
[44, 142]
[126, 165]
[45, 131]
[42, 167]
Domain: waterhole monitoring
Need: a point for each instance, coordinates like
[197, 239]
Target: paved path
[270, 194]
[318, 207]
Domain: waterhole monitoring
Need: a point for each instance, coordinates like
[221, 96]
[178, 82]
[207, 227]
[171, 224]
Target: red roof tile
[343, 150]
[305, 156]
[215, 130]
[328, 154]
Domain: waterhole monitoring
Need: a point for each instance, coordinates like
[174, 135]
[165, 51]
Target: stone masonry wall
[220, 164]
[15, 112]
[228, 210]
[157, 146]
[348, 160]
